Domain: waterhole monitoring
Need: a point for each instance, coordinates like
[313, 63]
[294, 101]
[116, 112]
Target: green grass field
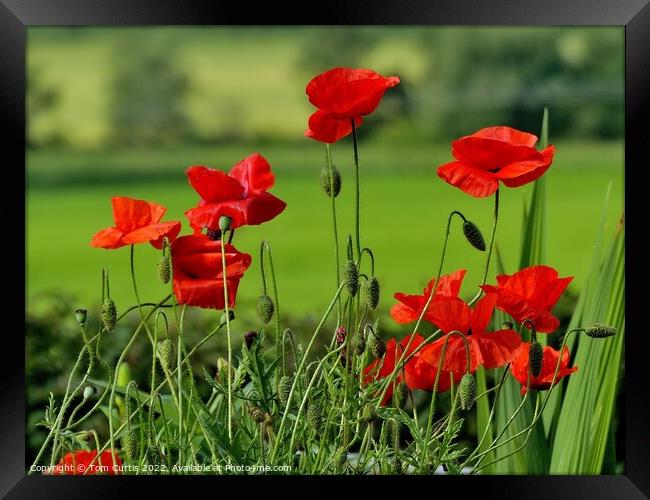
[404, 212]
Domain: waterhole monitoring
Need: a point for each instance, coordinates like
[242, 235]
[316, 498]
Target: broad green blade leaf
[583, 427]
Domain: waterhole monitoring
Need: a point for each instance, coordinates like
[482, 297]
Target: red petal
[507, 134]
[473, 181]
[214, 185]
[152, 232]
[130, 214]
[489, 154]
[324, 128]
[450, 314]
[497, 348]
[254, 174]
[522, 172]
[482, 313]
[110, 237]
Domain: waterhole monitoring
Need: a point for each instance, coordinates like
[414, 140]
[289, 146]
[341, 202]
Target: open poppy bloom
[409, 307]
[489, 349]
[343, 94]
[495, 154]
[416, 374]
[198, 271]
[240, 194]
[136, 221]
[79, 463]
[519, 368]
[530, 294]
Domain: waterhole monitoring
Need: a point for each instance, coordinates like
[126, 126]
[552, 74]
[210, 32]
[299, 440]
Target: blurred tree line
[468, 78]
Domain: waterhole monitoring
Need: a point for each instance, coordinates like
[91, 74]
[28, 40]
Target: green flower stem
[389, 380]
[357, 190]
[276, 313]
[227, 312]
[328, 155]
[490, 246]
[299, 371]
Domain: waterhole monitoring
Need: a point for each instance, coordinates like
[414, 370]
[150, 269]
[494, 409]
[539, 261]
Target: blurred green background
[125, 111]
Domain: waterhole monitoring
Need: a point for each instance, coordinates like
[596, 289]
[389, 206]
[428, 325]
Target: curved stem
[489, 255]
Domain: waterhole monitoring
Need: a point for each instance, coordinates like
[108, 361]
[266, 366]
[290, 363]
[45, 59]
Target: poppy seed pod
[284, 389]
[377, 347]
[164, 269]
[351, 277]
[224, 223]
[359, 342]
[166, 353]
[265, 308]
[109, 314]
[326, 181]
[368, 414]
[535, 358]
[599, 331]
[467, 391]
[81, 315]
[473, 235]
[372, 292]
[401, 395]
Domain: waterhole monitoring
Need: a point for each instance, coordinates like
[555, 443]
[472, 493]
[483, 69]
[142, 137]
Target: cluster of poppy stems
[482, 162]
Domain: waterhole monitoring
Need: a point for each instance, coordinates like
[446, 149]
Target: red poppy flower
[79, 462]
[495, 154]
[324, 128]
[198, 271]
[416, 374]
[519, 368]
[530, 294]
[136, 221]
[240, 194]
[343, 94]
[490, 349]
[410, 307]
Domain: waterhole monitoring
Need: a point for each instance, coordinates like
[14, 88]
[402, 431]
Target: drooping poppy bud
[249, 338]
[265, 308]
[109, 314]
[315, 414]
[372, 293]
[153, 456]
[327, 181]
[377, 346]
[600, 331]
[473, 235]
[368, 414]
[340, 456]
[284, 389]
[81, 315]
[400, 395]
[164, 269]
[166, 353]
[535, 358]
[467, 391]
[89, 391]
[131, 389]
[359, 342]
[130, 443]
[351, 277]
[340, 335]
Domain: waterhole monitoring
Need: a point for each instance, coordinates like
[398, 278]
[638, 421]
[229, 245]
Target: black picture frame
[634, 15]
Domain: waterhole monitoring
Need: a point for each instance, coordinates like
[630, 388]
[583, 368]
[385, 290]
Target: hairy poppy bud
[340, 335]
[599, 331]
[396, 466]
[231, 316]
[131, 391]
[166, 353]
[164, 269]
[315, 414]
[326, 180]
[351, 277]
[473, 235]
[249, 338]
[368, 414]
[372, 292]
[153, 456]
[340, 456]
[400, 395]
[89, 391]
[257, 414]
[109, 314]
[467, 390]
[224, 223]
[377, 347]
[284, 388]
[359, 342]
[130, 444]
[535, 358]
[81, 315]
[265, 308]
